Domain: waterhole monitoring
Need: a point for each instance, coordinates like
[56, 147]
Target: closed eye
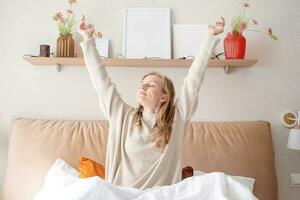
[149, 85]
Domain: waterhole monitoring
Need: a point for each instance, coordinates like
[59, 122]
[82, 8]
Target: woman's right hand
[218, 27]
[85, 29]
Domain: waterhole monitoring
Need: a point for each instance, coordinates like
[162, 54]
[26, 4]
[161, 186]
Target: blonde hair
[162, 129]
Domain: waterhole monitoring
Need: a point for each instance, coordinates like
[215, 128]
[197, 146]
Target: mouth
[142, 94]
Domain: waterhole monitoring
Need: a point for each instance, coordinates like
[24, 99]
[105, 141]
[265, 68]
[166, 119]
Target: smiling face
[150, 94]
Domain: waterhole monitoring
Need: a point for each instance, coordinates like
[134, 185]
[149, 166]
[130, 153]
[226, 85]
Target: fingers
[211, 26]
[223, 19]
[84, 25]
[222, 22]
[90, 26]
[81, 22]
[82, 19]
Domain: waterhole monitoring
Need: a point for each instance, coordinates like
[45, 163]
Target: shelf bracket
[226, 69]
[58, 67]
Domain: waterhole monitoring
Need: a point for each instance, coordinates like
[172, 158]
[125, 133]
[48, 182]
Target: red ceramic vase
[234, 46]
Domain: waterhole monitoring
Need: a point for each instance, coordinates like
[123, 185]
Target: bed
[236, 148]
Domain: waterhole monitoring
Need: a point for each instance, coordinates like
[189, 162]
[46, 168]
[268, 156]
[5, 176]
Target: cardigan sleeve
[188, 98]
[110, 101]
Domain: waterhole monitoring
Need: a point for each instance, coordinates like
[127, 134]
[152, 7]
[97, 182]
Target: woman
[144, 143]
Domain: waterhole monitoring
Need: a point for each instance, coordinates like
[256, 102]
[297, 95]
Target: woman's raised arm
[188, 98]
[110, 101]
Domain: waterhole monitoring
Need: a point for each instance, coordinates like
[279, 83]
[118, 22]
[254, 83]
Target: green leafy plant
[65, 23]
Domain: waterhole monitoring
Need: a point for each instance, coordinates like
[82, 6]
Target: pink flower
[254, 22]
[59, 15]
[270, 32]
[65, 21]
[243, 26]
[241, 23]
[72, 1]
[70, 11]
[246, 5]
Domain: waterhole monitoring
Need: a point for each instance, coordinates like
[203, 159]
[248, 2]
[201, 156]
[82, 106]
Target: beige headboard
[237, 148]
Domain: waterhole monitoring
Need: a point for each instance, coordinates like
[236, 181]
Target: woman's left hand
[218, 27]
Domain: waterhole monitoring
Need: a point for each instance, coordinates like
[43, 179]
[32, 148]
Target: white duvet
[62, 182]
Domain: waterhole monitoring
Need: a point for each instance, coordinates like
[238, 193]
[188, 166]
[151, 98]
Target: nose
[144, 86]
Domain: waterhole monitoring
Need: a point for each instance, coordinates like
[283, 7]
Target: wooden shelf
[110, 62]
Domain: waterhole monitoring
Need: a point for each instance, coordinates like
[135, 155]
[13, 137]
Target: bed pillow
[89, 168]
[246, 181]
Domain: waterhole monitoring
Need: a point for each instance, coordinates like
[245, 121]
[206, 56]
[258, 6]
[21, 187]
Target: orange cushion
[89, 168]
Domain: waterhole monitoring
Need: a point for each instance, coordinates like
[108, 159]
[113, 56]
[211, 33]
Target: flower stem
[255, 30]
[244, 10]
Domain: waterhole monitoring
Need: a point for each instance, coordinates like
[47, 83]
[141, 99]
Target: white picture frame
[102, 46]
[146, 33]
[187, 39]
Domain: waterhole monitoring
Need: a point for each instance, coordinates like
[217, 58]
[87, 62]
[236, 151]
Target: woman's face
[150, 94]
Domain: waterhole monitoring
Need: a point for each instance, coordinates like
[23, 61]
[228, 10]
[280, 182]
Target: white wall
[261, 92]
